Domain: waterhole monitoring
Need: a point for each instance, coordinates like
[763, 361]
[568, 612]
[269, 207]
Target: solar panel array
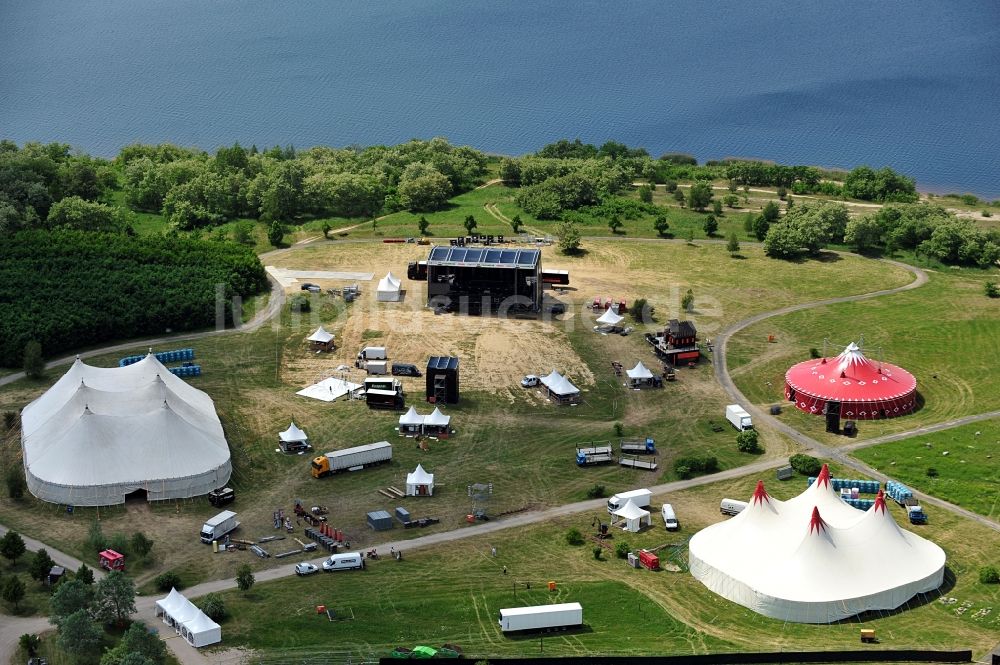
[484, 257]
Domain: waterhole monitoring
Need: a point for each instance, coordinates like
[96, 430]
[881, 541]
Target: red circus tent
[860, 388]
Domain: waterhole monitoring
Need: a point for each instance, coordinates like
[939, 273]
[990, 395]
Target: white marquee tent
[436, 420]
[609, 318]
[411, 422]
[388, 289]
[639, 374]
[100, 433]
[187, 620]
[321, 336]
[633, 516]
[814, 558]
[293, 435]
[419, 483]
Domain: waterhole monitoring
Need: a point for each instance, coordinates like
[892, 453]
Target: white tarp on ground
[289, 278]
[328, 390]
[813, 558]
[187, 620]
[100, 433]
[321, 336]
[417, 480]
[388, 289]
[639, 373]
[293, 434]
[633, 516]
[609, 318]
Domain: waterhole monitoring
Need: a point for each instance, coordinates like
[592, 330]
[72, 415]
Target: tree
[214, 607]
[747, 441]
[731, 200]
[13, 590]
[679, 196]
[424, 193]
[733, 244]
[991, 290]
[140, 545]
[95, 538]
[883, 185]
[760, 227]
[41, 564]
[167, 580]
[243, 232]
[244, 578]
[275, 233]
[645, 193]
[569, 237]
[771, 211]
[661, 225]
[423, 225]
[805, 464]
[865, 233]
[687, 302]
[29, 643]
[641, 310]
[78, 634]
[74, 212]
[326, 230]
[510, 172]
[114, 598]
[136, 640]
[614, 223]
[783, 241]
[516, 223]
[470, 223]
[34, 363]
[782, 193]
[84, 574]
[700, 195]
[717, 207]
[15, 482]
[12, 546]
[710, 226]
[71, 596]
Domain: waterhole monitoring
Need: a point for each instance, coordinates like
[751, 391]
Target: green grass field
[939, 332]
[966, 473]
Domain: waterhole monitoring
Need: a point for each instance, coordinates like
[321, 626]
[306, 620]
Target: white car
[529, 381]
[302, 569]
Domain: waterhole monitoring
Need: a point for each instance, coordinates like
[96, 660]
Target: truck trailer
[645, 446]
[594, 455]
[639, 497]
[217, 527]
[634, 462]
[541, 618]
[738, 417]
[351, 459]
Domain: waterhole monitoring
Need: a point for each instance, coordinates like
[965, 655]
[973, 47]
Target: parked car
[302, 569]
[530, 381]
[311, 288]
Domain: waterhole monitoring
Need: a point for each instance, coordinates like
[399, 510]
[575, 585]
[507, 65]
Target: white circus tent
[633, 516]
[419, 483]
[388, 289]
[813, 558]
[100, 433]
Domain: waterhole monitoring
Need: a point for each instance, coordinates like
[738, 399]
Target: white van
[345, 561]
[732, 506]
[669, 518]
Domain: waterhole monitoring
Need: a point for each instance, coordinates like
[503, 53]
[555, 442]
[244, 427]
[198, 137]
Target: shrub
[986, 213]
[991, 290]
[15, 483]
[641, 311]
[119, 543]
[619, 429]
[989, 575]
[275, 233]
[34, 363]
[597, 553]
[807, 465]
[140, 545]
[932, 472]
[622, 549]
[574, 537]
[167, 581]
[300, 303]
[29, 643]
[214, 607]
[717, 207]
[687, 467]
[748, 442]
[597, 492]
[782, 193]
[244, 578]
[814, 352]
[95, 538]
[687, 302]
[710, 226]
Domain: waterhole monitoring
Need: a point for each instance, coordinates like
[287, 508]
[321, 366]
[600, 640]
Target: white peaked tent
[100, 433]
[172, 602]
[609, 318]
[321, 336]
[419, 483]
[551, 378]
[639, 374]
[814, 559]
[411, 422]
[559, 387]
[436, 420]
[187, 620]
[202, 631]
[388, 289]
[633, 516]
[293, 434]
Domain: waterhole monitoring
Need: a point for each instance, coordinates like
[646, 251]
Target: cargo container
[541, 618]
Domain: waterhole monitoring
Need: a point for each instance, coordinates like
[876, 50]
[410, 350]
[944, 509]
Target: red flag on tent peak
[824, 476]
[880, 502]
[816, 522]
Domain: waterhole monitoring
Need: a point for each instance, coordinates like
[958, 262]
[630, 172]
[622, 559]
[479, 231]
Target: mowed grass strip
[960, 465]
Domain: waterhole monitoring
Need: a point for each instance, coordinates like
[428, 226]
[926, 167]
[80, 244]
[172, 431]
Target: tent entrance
[137, 499]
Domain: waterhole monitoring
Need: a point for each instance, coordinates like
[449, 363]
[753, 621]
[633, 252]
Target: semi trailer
[541, 617]
[351, 459]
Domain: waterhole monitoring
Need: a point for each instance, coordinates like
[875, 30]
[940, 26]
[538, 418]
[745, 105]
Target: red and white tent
[813, 558]
[859, 388]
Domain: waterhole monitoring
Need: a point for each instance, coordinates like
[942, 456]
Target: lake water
[913, 85]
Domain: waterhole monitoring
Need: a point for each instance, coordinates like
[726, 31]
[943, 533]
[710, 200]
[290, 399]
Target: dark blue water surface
[912, 85]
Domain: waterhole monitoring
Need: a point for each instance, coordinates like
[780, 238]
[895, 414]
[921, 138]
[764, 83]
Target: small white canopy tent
[633, 516]
[202, 631]
[436, 421]
[187, 620]
[419, 483]
[551, 378]
[321, 339]
[411, 422]
[293, 434]
[609, 318]
[639, 374]
[388, 289]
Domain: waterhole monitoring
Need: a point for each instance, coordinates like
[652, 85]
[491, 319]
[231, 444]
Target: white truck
[351, 459]
[377, 367]
[372, 353]
[541, 617]
[219, 526]
[738, 417]
[639, 497]
[669, 518]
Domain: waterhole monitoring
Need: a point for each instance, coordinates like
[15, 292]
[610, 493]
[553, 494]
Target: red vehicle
[111, 560]
[649, 560]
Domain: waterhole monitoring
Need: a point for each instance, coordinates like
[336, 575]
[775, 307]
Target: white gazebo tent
[559, 388]
[639, 375]
[419, 483]
[293, 439]
[187, 620]
[411, 422]
[173, 602]
[388, 289]
[437, 424]
[633, 516]
[321, 340]
[201, 631]
[609, 320]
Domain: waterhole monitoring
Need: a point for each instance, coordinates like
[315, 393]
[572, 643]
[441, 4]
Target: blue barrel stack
[176, 356]
[898, 492]
[864, 486]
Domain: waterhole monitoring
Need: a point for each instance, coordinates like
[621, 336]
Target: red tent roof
[850, 377]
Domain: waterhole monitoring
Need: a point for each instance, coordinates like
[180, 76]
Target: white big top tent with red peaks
[814, 558]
